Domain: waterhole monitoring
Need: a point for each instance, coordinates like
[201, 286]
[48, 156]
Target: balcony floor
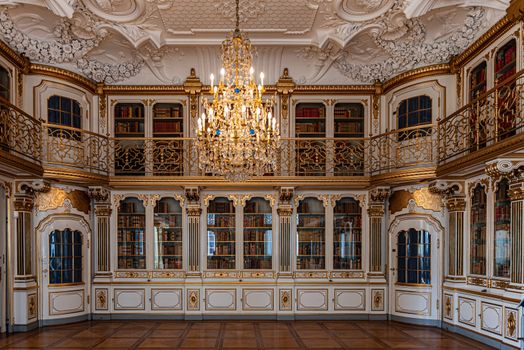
[238, 335]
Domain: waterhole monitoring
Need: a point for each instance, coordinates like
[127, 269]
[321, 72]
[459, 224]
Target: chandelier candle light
[237, 134]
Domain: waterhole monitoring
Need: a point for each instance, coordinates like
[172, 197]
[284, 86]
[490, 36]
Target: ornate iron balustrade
[491, 118]
[20, 134]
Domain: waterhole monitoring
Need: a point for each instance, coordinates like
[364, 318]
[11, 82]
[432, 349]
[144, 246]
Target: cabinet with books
[477, 87]
[311, 235]
[168, 122]
[131, 241]
[168, 234]
[129, 149]
[258, 234]
[221, 238]
[347, 235]
[310, 123]
[348, 124]
[502, 242]
[505, 67]
[478, 231]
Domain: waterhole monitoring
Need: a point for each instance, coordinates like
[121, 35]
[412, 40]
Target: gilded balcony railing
[66, 147]
[20, 133]
[490, 118]
[401, 149]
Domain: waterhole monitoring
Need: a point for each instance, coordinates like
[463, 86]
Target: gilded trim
[64, 74]
[414, 74]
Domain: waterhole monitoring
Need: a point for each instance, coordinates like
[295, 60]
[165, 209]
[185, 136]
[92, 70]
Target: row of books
[349, 237]
[258, 235]
[478, 77]
[134, 249]
[130, 236]
[311, 263]
[164, 207]
[311, 236]
[343, 251]
[310, 127]
[163, 126]
[131, 262]
[255, 208]
[311, 249]
[349, 127]
[353, 222]
[221, 207]
[220, 221]
[129, 127]
[502, 212]
[171, 250]
[159, 112]
[223, 249]
[171, 221]
[343, 264]
[258, 221]
[169, 236]
[308, 221]
[174, 263]
[505, 56]
[347, 113]
[137, 221]
[223, 236]
[256, 249]
[310, 112]
[347, 207]
[257, 263]
[131, 208]
[122, 111]
[216, 264]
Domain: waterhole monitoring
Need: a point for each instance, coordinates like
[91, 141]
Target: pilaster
[516, 193]
[285, 212]
[194, 212]
[376, 212]
[102, 230]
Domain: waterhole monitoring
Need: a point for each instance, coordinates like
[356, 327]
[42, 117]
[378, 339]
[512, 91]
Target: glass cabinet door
[502, 242]
[221, 234]
[311, 237]
[168, 234]
[258, 234]
[478, 231]
[347, 235]
[131, 234]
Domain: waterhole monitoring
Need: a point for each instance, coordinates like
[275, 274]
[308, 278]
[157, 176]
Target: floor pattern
[354, 335]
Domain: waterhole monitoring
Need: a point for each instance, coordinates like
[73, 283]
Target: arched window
[414, 257]
[502, 242]
[65, 257]
[67, 112]
[478, 231]
[412, 112]
[5, 84]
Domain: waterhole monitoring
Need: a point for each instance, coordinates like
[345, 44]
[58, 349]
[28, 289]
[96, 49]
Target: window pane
[77, 276]
[53, 117]
[76, 108]
[54, 102]
[54, 277]
[66, 104]
[67, 276]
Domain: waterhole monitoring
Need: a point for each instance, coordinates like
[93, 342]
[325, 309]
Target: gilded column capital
[192, 195]
[103, 210]
[456, 203]
[379, 194]
[376, 210]
[285, 211]
[286, 195]
[194, 211]
[24, 202]
[99, 194]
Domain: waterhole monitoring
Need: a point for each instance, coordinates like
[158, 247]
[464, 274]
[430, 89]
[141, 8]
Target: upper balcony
[487, 127]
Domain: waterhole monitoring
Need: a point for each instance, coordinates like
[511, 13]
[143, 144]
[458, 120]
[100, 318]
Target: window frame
[8, 85]
[74, 258]
[420, 256]
[64, 130]
[416, 129]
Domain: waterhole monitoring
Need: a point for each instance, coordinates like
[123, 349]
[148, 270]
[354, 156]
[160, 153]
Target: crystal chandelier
[237, 134]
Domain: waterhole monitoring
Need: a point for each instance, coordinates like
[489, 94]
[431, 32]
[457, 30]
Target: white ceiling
[320, 41]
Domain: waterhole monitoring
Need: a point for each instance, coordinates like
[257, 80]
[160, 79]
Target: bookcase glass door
[478, 231]
[258, 234]
[505, 67]
[348, 129]
[477, 87]
[347, 235]
[131, 241]
[502, 242]
[221, 238]
[129, 149]
[310, 125]
[414, 257]
[168, 250]
[168, 122]
[311, 235]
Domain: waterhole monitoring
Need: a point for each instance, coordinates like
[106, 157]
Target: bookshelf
[478, 81]
[168, 234]
[129, 154]
[221, 239]
[478, 231]
[502, 230]
[310, 122]
[311, 235]
[414, 257]
[505, 67]
[131, 234]
[168, 120]
[347, 235]
[349, 120]
[258, 234]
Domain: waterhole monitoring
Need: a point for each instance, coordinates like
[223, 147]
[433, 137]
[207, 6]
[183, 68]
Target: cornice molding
[10, 54]
[418, 73]
[64, 74]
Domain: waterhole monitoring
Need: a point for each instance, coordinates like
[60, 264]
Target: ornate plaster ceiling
[320, 41]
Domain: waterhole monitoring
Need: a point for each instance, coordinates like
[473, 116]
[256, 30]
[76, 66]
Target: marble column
[376, 212]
